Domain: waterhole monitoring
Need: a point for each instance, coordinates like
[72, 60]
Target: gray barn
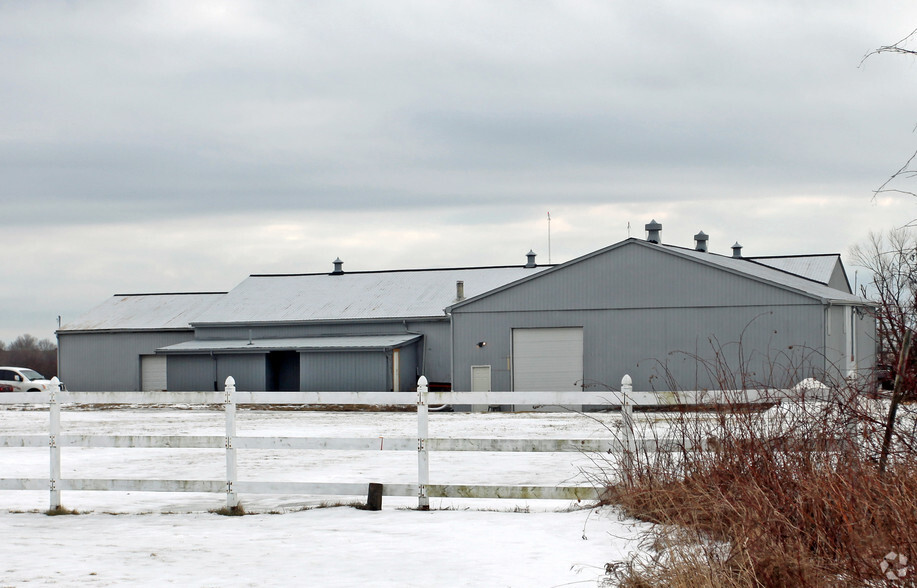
[346, 331]
[657, 312]
[666, 316]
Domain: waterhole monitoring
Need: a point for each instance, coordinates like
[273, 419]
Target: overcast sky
[181, 146]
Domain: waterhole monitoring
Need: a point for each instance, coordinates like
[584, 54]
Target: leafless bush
[790, 496]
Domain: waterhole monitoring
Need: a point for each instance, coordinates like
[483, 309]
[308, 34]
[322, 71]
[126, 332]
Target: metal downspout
[451, 350]
[422, 344]
[824, 335]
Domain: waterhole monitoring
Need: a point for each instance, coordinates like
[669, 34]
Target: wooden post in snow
[374, 496]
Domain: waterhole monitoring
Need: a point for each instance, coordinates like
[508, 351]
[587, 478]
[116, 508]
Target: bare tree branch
[895, 48]
[905, 171]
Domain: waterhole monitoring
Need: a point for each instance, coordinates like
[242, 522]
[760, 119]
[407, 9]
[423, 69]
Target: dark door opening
[283, 371]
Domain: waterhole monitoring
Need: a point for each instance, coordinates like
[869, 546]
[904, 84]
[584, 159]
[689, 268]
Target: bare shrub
[61, 511]
[790, 496]
[230, 511]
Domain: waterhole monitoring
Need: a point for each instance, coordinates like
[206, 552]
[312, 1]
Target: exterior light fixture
[482, 343]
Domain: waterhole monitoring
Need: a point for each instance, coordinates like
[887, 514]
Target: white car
[23, 380]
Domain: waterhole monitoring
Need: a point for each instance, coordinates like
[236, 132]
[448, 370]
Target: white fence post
[423, 458]
[53, 434]
[627, 418]
[229, 406]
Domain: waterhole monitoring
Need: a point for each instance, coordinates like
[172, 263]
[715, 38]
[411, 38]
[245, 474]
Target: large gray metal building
[661, 313]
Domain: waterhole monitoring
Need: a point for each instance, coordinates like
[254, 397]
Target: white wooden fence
[423, 444]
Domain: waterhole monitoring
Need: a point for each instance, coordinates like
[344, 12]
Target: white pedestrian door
[548, 360]
[480, 378]
[152, 373]
[480, 382]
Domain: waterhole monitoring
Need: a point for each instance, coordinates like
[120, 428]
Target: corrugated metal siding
[109, 361]
[635, 277]
[864, 325]
[839, 280]
[345, 371]
[410, 367]
[206, 372]
[192, 373]
[866, 344]
[248, 370]
[656, 345]
[434, 357]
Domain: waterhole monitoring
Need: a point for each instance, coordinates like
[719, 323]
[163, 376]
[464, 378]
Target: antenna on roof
[549, 236]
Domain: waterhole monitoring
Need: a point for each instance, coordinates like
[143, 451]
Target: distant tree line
[27, 351]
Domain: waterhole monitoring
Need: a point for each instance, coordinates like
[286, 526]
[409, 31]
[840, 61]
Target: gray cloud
[147, 114]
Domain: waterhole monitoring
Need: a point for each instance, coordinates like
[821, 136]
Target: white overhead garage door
[152, 372]
[548, 360]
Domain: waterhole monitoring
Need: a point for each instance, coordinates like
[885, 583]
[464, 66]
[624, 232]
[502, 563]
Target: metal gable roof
[354, 296]
[743, 266]
[129, 312]
[814, 267]
[778, 277]
[402, 294]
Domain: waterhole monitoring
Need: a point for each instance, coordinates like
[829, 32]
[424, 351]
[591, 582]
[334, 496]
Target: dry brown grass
[61, 511]
[789, 500]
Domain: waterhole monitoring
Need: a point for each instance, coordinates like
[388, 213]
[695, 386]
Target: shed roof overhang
[313, 322]
[304, 344]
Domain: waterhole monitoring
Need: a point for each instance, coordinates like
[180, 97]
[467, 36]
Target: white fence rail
[231, 442]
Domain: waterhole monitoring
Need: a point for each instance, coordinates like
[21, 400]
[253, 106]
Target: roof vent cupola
[700, 242]
[530, 259]
[653, 232]
[338, 267]
[737, 250]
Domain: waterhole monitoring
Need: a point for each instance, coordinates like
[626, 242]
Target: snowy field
[131, 538]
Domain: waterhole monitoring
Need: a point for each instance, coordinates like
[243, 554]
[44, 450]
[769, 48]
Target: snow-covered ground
[153, 539]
